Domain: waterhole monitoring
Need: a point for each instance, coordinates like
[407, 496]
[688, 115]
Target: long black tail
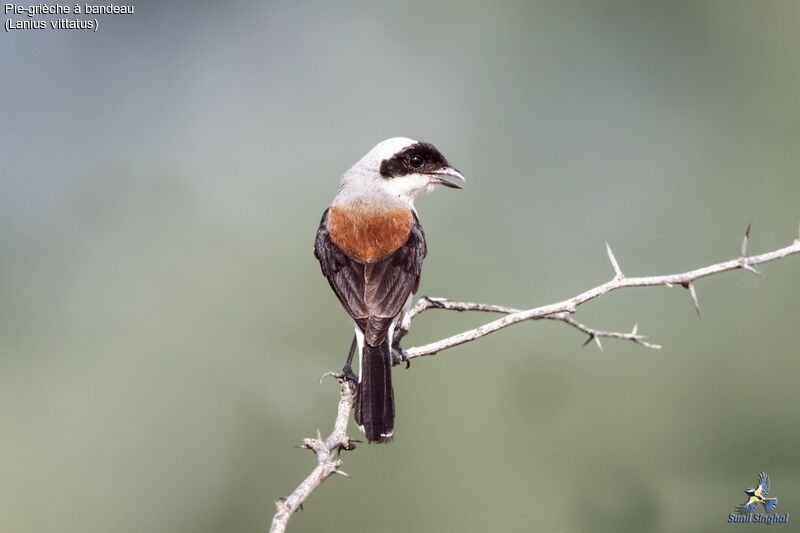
[374, 394]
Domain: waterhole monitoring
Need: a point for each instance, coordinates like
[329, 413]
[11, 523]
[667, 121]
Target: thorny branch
[328, 462]
[564, 309]
[327, 450]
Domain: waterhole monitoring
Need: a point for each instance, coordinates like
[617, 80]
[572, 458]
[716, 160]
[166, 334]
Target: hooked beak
[449, 177]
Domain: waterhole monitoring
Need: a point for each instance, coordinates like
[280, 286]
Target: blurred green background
[163, 324]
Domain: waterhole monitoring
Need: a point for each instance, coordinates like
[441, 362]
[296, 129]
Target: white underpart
[405, 317]
[360, 343]
[390, 337]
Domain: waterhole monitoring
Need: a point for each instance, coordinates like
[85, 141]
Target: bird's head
[403, 168]
[750, 491]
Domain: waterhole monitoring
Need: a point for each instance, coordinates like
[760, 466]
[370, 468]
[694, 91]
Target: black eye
[416, 161]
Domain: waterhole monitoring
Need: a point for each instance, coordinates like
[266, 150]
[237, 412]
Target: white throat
[364, 182]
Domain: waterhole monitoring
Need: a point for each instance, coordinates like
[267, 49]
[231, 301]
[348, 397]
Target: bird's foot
[345, 376]
[349, 446]
[399, 356]
[349, 375]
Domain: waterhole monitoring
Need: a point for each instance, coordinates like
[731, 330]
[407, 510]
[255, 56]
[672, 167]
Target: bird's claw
[349, 375]
[345, 376]
[349, 446]
[399, 355]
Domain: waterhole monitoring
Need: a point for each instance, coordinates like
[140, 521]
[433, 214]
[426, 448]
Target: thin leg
[347, 371]
[402, 326]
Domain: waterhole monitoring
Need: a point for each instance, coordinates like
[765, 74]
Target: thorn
[635, 329]
[341, 473]
[614, 263]
[668, 284]
[301, 507]
[433, 301]
[745, 265]
[319, 435]
[693, 294]
[751, 268]
[599, 344]
[590, 339]
[744, 241]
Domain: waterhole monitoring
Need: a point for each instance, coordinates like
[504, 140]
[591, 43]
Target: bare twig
[566, 307]
[327, 451]
[429, 302]
[328, 462]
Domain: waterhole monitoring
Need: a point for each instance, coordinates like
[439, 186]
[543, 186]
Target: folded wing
[373, 294]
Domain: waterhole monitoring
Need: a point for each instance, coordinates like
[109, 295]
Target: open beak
[449, 177]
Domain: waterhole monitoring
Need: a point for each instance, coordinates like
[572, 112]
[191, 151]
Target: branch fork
[327, 450]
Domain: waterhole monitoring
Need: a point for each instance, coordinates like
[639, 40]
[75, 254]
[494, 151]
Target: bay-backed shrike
[370, 246]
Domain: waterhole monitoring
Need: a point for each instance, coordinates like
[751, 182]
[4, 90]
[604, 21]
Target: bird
[757, 496]
[370, 246]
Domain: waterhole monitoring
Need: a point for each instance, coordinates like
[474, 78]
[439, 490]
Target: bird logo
[758, 496]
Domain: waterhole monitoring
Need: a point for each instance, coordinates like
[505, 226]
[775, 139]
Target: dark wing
[345, 275]
[373, 294]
